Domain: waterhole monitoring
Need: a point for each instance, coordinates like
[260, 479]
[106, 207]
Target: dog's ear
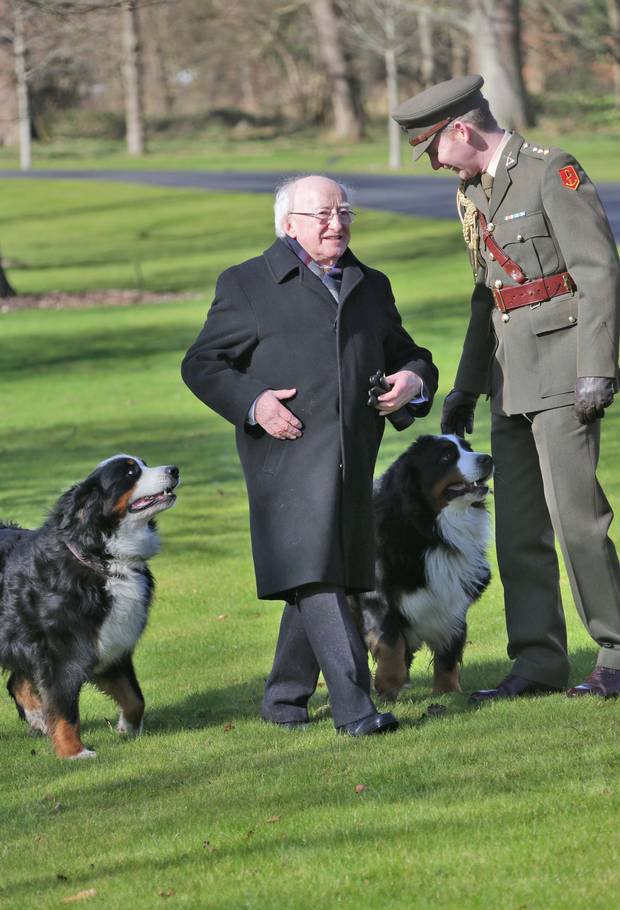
[78, 506]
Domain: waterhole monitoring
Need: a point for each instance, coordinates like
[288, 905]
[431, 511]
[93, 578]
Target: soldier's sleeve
[214, 366]
[583, 233]
[472, 374]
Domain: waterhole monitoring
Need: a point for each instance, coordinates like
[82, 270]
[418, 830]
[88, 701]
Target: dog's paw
[85, 753]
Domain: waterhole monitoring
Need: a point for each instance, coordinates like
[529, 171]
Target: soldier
[542, 343]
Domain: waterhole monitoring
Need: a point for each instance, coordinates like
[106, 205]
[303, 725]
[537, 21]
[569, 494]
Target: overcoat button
[490, 227]
[571, 319]
[498, 284]
[520, 238]
[506, 317]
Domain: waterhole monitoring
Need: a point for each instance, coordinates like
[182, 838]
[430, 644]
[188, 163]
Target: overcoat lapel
[313, 283]
[351, 277]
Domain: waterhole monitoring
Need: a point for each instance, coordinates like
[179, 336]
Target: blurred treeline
[266, 67]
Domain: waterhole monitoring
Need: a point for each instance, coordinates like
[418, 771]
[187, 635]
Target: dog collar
[93, 565]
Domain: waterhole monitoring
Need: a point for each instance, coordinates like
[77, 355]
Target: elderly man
[285, 355]
[542, 342]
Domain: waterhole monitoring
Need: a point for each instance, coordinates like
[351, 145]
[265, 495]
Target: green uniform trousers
[545, 486]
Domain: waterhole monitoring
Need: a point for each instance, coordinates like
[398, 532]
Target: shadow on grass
[218, 706]
[145, 198]
[47, 351]
[393, 781]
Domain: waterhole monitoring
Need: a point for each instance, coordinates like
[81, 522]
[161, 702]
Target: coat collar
[281, 261]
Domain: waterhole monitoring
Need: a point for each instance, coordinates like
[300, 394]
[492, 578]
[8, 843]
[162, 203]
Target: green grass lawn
[305, 151]
[512, 807]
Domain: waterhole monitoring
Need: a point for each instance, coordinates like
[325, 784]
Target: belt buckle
[499, 300]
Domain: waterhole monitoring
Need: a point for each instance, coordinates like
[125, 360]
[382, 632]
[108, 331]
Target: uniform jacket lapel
[503, 179]
[477, 195]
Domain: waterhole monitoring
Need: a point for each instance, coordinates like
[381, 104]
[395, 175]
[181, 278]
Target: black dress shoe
[374, 723]
[512, 687]
[603, 681]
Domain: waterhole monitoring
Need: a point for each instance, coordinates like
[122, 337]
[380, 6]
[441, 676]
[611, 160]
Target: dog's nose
[485, 462]
[172, 470]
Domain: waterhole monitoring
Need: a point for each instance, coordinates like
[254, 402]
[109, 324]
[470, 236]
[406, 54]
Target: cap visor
[418, 150]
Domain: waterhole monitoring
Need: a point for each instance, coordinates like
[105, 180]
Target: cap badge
[569, 177]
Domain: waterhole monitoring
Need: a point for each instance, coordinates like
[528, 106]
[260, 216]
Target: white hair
[285, 193]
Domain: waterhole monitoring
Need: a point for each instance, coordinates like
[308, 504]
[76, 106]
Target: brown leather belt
[533, 291]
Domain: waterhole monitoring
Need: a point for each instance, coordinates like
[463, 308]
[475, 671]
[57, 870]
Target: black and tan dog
[432, 530]
[75, 595]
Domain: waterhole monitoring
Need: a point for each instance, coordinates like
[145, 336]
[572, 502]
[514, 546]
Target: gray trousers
[545, 486]
[318, 633]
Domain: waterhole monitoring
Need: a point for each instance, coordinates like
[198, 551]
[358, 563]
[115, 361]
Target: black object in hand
[378, 385]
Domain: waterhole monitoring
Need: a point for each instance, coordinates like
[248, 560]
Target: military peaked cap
[424, 115]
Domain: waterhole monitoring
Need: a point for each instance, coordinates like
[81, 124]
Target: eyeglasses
[324, 216]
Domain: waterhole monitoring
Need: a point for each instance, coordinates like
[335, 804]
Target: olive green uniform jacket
[532, 361]
[545, 460]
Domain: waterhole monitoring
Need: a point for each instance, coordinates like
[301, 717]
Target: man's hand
[273, 417]
[457, 414]
[592, 395]
[405, 387]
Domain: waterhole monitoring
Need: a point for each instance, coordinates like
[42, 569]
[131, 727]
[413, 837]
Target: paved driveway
[409, 195]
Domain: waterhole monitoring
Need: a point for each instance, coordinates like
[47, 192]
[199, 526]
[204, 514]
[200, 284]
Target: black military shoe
[512, 686]
[374, 723]
[604, 681]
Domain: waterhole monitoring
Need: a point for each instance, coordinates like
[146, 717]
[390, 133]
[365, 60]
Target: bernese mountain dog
[75, 595]
[432, 531]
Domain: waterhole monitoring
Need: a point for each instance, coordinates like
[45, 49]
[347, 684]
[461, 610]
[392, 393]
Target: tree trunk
[21, 78]
[391, 75]
[613, 14]
[459, 55]
[160, 27]
[132, 72]
[6, 290]
[427, 56]
[498, 45]
[348, 123]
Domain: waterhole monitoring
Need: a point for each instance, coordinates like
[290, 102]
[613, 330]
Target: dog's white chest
[126, 620]
[437, 611]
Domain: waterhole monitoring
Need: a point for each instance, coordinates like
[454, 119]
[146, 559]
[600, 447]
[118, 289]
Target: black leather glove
[592, 395]
[457, 414]
[378, 384]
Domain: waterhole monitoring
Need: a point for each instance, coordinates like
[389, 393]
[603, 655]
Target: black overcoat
[274, 325]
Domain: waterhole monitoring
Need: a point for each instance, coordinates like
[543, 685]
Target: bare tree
[132, 73]
[348, 122]
[21, 82]
[496, 25]
[384, 27]
[427, 51]
[6, 289]
[613, 14]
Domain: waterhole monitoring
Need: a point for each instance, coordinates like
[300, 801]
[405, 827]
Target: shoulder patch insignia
[570, 177]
